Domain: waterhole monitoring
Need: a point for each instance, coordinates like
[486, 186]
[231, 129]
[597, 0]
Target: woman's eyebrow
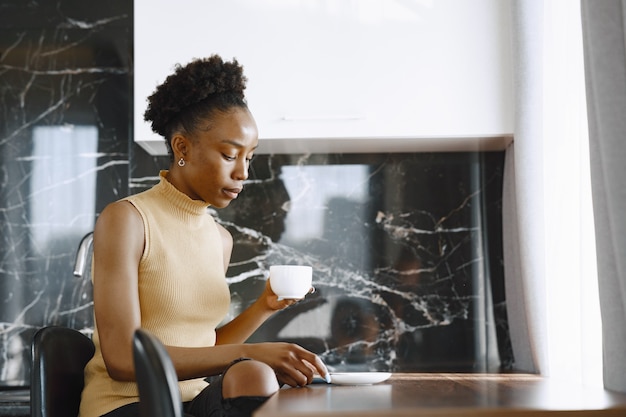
[237, 144]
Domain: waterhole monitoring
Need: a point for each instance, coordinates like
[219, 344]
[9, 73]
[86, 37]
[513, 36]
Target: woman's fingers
[319, 368]
[292, 364]
[300, 366]
[316, 364]
[293, 378]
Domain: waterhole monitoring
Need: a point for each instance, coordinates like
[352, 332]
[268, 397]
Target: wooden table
[448, 395]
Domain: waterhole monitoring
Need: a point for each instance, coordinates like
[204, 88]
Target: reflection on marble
[65, 91]
[406, 253]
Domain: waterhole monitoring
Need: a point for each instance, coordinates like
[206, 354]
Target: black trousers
[209, 403]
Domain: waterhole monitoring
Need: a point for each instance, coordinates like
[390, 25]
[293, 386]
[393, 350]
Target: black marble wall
[406, 248]
[65, 123]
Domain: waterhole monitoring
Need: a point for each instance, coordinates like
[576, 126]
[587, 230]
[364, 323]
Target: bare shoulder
[120, 222]
[119, 214]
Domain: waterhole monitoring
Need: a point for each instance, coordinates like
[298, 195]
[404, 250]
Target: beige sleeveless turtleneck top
[183, 294]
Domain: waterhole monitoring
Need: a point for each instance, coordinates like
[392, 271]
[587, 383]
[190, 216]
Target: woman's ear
[179, 146]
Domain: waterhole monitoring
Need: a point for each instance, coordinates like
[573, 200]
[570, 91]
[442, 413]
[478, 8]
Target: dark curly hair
[193, 93]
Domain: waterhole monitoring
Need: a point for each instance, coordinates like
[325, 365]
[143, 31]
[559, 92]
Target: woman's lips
[232, 193]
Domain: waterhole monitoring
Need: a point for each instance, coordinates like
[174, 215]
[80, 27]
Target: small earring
[181, 162]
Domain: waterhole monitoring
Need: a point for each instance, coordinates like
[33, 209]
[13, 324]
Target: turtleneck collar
[178, 199]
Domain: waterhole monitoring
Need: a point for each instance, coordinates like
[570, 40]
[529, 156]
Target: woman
[160, 260]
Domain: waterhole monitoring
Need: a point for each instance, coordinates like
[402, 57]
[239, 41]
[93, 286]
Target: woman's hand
[271, 299]
[293, 365]
[241, 327]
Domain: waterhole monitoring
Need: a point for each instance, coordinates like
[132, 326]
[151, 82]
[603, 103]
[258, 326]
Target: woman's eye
[229, 158]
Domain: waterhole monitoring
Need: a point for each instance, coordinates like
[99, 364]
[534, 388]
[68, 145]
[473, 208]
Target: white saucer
[358, 378]
[290, 297]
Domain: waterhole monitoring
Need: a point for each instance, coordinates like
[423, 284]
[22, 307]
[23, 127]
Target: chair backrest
[159, 394]
[59, 358]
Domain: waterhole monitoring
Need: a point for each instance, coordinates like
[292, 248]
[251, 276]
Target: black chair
[159, 395]
[59, 358]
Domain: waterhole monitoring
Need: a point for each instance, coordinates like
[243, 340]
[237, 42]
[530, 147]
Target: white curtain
[605, 67]
[551, 284]
[523, 207]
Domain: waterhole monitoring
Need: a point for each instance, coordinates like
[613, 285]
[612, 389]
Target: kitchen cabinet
[360, 75]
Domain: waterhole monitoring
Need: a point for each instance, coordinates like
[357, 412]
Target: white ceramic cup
[291, 281]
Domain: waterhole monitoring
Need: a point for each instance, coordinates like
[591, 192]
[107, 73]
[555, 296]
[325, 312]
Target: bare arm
[283, 357]
[118, 244]
[241, 327]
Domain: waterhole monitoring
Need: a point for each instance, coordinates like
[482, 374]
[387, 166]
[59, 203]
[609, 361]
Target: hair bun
[189, 85]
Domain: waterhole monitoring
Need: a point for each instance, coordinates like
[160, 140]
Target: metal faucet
[84, 248]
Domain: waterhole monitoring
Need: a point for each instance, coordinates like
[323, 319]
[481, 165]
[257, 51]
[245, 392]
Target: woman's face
[216, 158]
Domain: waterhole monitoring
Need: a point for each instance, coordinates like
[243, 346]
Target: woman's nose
[241, 169]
